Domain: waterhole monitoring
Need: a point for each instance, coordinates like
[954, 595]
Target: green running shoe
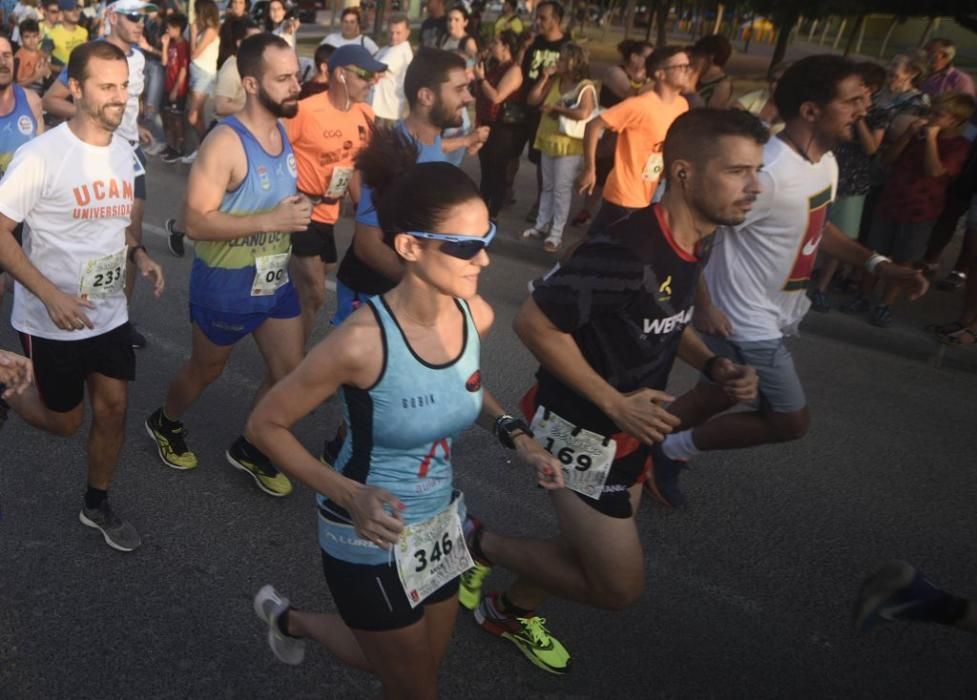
[529, 634]
[248, 458]
[170, 442]
[470, 587]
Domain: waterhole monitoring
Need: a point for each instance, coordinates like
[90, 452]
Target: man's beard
[711, 214]
[444, 118]
[284, 109]
[102, 115]
[6, 78]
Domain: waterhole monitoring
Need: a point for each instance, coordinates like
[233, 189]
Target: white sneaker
[533, 234]
[155, 149]
[189, 158]
[552, 243]
[268, 606]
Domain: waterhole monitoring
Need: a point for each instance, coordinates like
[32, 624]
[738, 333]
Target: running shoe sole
[893, 576]
[108, 540]
[498, 631]
[237, 465]
[159, 450]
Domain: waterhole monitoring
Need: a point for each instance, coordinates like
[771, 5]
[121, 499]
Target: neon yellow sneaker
[170, 442]
[529, 634]
[248, 458]
[470, 586]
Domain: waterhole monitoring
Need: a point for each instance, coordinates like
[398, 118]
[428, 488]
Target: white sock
[680, 446]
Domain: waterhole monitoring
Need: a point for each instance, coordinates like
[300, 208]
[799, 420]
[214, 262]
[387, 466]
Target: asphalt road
[749, 590]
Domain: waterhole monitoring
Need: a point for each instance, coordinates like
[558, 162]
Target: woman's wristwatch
[507, 428]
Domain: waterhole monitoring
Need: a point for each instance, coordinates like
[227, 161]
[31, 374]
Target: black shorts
[62, 366]
[371, 598]
[139, 186]
[318, 239]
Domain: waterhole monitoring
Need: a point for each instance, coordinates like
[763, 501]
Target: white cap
[128, 7]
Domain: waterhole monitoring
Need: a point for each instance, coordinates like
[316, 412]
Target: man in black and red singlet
[606, 327]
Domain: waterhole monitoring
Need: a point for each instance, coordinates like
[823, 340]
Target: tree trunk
[888, 35]
[861, 37]
[931, 27]
[720, 9]
[629, 17]
[662, 38]
[783, 38]
[841, 30]
[810, 34]
[824, 31]
[857, 32]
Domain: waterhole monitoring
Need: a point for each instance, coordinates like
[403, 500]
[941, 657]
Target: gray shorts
[780, 387]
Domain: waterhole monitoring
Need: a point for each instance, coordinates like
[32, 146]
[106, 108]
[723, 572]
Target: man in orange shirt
[327, 134]
[641, 123]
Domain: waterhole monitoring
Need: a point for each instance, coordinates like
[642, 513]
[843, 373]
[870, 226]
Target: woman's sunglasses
[461, 247]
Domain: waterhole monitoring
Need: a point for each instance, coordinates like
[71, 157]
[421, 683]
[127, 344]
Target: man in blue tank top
[436, 87]
[242, 207]
[20, 119]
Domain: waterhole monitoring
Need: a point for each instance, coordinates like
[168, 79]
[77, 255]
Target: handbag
[574, 128]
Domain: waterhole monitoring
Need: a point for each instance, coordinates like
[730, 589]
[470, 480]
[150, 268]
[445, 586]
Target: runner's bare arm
[692, 351]
[836, 244]
[707, 317]
[370, 248]
[635, 413]
[350, 355]
[34, 102]
[591, 136]
[65, 310]
[221, 166]
[57, 101]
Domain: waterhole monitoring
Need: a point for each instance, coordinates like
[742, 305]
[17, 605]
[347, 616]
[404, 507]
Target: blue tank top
[401, 431]
[16, 128]
[223, 271]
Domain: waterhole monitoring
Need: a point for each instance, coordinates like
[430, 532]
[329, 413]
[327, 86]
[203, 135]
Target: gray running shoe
[268, 606]
[117, 532]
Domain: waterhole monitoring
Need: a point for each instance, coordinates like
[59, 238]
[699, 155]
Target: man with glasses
[641, 123]
[52, 17]
[350, 32]
[944, 76]
[125, 17]
[69, 33]
[328, 132]
[241, 207]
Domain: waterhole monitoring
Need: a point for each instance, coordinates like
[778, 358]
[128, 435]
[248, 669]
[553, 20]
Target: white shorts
[202, 81]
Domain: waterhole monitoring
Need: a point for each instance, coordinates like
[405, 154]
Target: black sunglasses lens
[136, 17]
[463, 251]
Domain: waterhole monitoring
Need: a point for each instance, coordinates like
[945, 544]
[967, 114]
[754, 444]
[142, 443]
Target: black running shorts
[62, 366]
[317, 240]
[371, 598]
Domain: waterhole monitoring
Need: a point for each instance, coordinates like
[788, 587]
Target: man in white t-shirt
[350, 32]
[387, 100]
[69, 301]
[756, 280]
[125, 18]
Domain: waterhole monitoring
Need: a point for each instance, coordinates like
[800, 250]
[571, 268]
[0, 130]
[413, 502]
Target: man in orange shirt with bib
[641, 123]
[328, 132]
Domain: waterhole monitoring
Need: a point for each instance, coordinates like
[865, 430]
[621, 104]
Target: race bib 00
[103, 277]
[339, 182]
[431, 553]
[271, 272]
[586, 457]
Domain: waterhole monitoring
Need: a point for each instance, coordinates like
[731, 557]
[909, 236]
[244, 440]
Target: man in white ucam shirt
[69, 302]
[125, 18]
[756, 280]
[388, 101]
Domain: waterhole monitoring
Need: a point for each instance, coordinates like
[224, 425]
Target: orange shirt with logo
[641, 123]
[325, 141]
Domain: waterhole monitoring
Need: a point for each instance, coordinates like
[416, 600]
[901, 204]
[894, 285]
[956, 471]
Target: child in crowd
[33, 65]
[924, 160]
[176, 63]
